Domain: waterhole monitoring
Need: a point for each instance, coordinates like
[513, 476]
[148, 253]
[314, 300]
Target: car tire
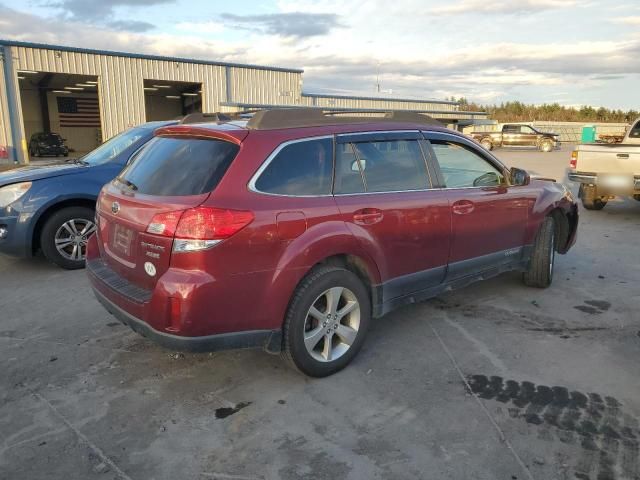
[590, 198]
[36, 152]
[541, 265]
[487, 144]
[336, 339]
[59, 244]
[546, 146]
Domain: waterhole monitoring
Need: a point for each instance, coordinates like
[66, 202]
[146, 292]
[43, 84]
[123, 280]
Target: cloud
[501, 7]
[82, 9]
[103, 12]
[130, 25]
[477, 70]
[292, 24]
[627, 20]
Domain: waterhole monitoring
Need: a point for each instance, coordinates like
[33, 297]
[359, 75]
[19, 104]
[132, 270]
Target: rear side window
[175, 167]
[389, 166]
[299, 168]
[463, 168]
[635, 131]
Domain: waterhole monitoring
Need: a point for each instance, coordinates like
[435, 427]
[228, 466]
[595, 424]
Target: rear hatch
[139, 211]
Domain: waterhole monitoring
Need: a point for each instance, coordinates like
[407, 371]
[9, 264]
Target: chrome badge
[115, 207]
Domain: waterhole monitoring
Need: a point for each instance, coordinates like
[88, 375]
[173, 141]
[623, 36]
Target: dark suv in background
[47, 144]
[292, 230]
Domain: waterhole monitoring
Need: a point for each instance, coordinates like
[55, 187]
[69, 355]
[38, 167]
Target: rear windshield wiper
[128, 183]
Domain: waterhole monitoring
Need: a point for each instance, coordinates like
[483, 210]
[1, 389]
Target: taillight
[573, 163]
[4, 153]
[199, 228]
[164, 223]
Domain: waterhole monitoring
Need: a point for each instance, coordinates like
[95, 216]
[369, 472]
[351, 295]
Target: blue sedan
[51, 208]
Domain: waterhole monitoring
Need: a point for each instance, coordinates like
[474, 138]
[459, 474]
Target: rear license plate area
[122, 240]
[621, 182]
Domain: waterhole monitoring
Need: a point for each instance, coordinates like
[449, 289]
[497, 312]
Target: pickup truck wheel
[326, 322]
[541, 265]
[487, 144]
[64, 236]
[590, 198]
[546, 146]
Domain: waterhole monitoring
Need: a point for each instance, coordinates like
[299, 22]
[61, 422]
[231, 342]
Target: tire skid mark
[607, 436]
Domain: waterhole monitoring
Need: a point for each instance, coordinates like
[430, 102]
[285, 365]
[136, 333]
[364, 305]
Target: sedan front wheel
[65, 235]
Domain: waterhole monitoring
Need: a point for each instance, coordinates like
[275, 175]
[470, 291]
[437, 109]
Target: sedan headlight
[11, 193]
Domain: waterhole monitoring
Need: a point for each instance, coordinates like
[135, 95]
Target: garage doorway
[171, 100]
[59, 108]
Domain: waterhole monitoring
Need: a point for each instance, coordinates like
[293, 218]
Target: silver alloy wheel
[332, 324]
[72, 236]
[547, 147]
[487, 145]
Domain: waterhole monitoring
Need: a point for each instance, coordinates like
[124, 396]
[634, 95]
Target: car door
[489, 216]
[528, 136]
[383, 191]
[510, 135]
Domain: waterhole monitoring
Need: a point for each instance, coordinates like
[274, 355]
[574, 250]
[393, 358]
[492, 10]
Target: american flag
[78, 112]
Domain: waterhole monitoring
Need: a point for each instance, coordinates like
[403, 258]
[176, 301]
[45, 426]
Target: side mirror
[519, 177]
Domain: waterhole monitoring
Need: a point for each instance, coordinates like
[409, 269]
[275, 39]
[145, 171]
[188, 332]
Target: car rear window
[175, 167]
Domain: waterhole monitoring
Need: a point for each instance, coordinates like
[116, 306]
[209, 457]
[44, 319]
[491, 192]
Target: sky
[573, 52]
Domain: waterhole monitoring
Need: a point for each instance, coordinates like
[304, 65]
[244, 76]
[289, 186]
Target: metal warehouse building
[88, 96]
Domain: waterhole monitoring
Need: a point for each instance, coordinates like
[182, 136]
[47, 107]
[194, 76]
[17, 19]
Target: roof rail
[272, 119]
[208, 117]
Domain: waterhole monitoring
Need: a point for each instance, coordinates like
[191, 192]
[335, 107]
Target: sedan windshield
[115, 146]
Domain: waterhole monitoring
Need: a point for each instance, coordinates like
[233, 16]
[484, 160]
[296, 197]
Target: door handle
[367, 216]
[463, 207]
[623, 155]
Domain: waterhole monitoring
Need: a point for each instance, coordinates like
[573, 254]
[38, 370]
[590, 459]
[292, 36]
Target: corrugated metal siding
[5, 126]
[264, 86]
[381, 103]
[121, 87]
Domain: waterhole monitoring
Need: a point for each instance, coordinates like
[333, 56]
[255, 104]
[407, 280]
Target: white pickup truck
[607, 171]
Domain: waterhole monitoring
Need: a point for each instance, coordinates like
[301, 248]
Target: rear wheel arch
[50, 210]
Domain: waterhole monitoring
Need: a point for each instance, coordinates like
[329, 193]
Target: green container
[588, 134]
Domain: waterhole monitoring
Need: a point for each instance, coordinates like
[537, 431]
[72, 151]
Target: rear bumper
[592, 178]
[204, 319]
[582, 177]
[269, 340]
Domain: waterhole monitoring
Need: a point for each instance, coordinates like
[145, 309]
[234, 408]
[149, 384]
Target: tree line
[521, 112]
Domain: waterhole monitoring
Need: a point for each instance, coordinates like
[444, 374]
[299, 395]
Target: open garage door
[61, 113]
[171, 100]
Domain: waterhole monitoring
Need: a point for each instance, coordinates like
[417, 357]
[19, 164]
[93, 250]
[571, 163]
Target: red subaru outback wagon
[291, 230]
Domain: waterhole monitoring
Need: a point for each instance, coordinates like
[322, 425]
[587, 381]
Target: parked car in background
[42, 144]
[51, 208]
[607, 171]
[515, 135]
[323, 221]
